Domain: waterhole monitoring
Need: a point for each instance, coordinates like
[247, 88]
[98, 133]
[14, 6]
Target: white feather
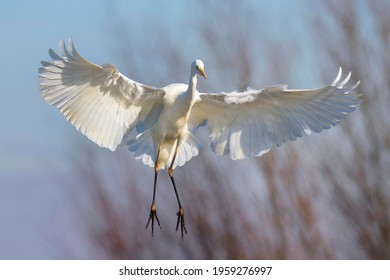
[106, 106]
[251, 122]
[98, 100]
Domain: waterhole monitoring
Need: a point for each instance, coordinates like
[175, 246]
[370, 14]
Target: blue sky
[34, 135]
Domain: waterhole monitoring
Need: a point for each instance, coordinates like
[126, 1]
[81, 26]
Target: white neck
[193, 81]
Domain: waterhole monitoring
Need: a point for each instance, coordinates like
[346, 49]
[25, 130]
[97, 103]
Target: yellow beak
[203, 73]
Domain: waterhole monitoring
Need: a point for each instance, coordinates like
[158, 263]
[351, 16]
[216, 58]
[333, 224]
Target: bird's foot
[180, 220]
[152, 216]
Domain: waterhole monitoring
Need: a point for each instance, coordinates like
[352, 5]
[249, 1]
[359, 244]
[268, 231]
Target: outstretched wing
[247, 124]
[99, 101]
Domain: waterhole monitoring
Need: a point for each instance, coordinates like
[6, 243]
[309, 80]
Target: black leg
[180, 213]
[153, 208]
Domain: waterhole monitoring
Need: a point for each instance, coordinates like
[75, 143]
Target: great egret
[157, 123]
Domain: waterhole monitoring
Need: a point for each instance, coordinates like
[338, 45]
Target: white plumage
[157, 123]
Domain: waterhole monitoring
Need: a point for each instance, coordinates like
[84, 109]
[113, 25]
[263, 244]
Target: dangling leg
[180, 214]
[153, 208]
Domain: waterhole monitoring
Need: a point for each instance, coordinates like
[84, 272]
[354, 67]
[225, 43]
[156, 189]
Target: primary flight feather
[157, 123]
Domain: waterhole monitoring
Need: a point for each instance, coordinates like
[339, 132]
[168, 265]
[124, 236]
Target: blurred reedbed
[326, 197]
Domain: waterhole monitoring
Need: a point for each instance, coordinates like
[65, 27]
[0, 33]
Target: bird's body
[157, 123]
[171, 127]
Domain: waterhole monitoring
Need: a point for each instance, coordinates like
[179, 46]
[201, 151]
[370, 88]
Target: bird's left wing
[247, 124]
[99, 101]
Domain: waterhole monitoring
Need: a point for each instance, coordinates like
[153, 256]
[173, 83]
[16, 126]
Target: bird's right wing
[246, 124]
[99, 101]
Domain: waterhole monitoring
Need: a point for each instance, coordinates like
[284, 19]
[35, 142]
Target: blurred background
[322, 197]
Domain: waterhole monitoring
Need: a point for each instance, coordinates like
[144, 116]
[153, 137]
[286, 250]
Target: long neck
[192, 83]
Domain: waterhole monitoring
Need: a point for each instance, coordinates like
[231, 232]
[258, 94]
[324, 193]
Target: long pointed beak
[203, 73]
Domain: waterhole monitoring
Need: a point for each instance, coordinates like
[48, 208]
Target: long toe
[153, 216]
[180, 221]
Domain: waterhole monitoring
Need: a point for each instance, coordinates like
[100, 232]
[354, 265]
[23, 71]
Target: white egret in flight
[157, 123]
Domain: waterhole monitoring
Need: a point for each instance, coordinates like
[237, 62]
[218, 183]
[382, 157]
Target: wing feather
[249, 123]
[99, 101]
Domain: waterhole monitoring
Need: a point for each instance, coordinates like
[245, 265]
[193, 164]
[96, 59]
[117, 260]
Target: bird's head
[198, 66]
